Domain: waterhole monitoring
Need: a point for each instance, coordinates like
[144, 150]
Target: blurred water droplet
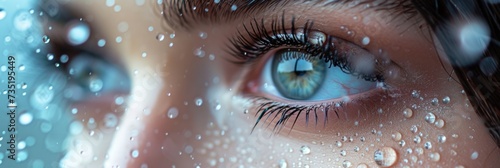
[135, 153]
[343, 153]
[282, 163]
[78, 33]
[362, 165]
[434, 101]
[488, 66]
[417, 139]
[45, 39]
[385, 157]
[474, 38]
[427, 145]
[396, 136]
[198, 101]
[365, 40]
[199, 52]
[415, 94]
[407, 113]
[23, 21]
[172, 112]
[95, 84]
[25, 118]
[346, 164]
[110, 120]
[305, 150]
[101, 42]
[474, 155]
[203, 35]
[22, 67]
[218, 107]
[338, 144]
[402, 143]
[414, 129]
[435, 156]
[144, 54]
[430, 118]
[160, 37]
[234, 7]
[119, 100]
[2, 13]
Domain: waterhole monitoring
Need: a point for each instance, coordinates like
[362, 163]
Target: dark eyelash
[285, 112]
[256, 40]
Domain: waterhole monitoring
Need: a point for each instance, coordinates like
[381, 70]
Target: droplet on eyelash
[305, 150]
[385, 157]
[430, 118]
[408, 113]
[396, 136]
[317, 38]
[439, 123]
[282, 163]
[346, 164]
[172, 112]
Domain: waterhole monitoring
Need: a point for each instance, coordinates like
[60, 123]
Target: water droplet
[435, 156]
[172, 36]
[96, 85]
[160, 37]
[172, 112]
[343, 152]
[282, 163]
[346, 164]
[198, 101]
[414, 129]
[22, 67]
[338, 144]
[356, 149]
[305, 150]
[2, 13]
[45, 39]
[110, 120]
[23, 21]
[427, 145]
[362, 165]
[439, 123]
[434, 101]
[118, 39]
[218, 106]
[365, 40]
[417, 139]
[50, 56]
[446, 100]
[415, 94]
[441, 138]
[396, 136]
[74, 110]
[78, 33]
[474, 38]
[101, 42]
[474, 155]
[135, 153]
[385, 157]
[203, 35]
[234, 7]
[430, 118]
[110, 3]
[25, 118]
[199, 52]
[402, 143]
[144, 54]
[408, 113]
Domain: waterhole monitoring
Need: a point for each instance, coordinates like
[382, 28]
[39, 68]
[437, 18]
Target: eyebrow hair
[186, 13]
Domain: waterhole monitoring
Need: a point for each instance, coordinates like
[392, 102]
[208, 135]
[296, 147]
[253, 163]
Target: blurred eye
[296, 75]
[92, 74]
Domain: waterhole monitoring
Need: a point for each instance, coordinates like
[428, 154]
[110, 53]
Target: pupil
[297, 75]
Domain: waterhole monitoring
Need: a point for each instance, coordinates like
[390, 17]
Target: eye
[93, 74]
[296, 75]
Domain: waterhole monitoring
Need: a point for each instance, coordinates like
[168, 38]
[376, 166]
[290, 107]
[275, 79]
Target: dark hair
[479, 73]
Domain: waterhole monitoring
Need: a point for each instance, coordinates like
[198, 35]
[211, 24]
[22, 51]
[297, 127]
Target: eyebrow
[187, 13]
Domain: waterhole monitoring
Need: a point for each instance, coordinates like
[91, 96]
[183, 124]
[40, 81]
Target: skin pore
[163, 123]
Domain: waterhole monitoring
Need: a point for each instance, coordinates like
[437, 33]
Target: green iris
[297, 75]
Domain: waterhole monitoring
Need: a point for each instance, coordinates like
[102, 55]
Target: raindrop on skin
[45, 39]
[446, 100]
[2, 13]
[365, 40]
[172, 112]
[198, 102]
[396, 136]
[385, 157]
[160, 37]
[305, 150]
[78, 33]
[135, 153]
[430, 118]
[474, 155]
[408, 113]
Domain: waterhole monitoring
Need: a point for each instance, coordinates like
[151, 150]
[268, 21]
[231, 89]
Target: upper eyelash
[261, 41]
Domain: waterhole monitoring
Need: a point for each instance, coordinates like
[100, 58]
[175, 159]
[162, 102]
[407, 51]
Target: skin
[210, 137]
